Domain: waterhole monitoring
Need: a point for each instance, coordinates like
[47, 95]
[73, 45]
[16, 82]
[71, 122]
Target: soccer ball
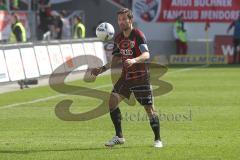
[105, 31]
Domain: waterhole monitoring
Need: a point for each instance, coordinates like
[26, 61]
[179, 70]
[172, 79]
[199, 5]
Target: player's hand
[129, 62]
[96, 71]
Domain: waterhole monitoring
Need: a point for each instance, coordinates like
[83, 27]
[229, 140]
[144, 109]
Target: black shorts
[141, 89]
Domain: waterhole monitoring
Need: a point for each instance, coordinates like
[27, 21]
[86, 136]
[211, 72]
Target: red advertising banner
[223, 45]
[192, 10]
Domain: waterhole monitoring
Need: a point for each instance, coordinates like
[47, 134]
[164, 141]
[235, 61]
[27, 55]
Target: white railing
[34, 60]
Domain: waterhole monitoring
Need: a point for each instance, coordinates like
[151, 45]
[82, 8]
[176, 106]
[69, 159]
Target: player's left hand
[96, 71]
[129, 62]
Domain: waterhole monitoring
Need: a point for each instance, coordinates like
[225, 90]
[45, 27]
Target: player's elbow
[146, 55]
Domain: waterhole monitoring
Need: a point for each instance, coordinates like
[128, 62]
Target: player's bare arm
[115, 60]
[140, 59]
[230, 27]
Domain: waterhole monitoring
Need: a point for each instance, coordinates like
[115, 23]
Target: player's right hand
[96, 71]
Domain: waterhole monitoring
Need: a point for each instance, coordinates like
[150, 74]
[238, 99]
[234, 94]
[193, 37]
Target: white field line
[188, 69]
[45, 98]
[99, 87]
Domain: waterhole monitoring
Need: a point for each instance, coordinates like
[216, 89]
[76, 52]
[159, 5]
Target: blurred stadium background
[200, 117]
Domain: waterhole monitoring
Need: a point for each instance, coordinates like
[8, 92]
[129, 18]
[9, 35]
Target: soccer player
[130, 48]
[236, 39]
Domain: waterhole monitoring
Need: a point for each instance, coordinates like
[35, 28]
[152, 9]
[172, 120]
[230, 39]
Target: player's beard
[127, 28]
[124, 28]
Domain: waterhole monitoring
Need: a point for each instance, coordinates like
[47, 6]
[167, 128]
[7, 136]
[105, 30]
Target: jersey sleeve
[116, 50]
[142, 42]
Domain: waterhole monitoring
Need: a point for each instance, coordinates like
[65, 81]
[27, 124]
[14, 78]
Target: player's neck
[127, 32]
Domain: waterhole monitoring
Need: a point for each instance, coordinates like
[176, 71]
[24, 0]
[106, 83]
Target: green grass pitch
[200, 120]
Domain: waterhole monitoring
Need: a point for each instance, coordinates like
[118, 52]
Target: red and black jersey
[128, 48]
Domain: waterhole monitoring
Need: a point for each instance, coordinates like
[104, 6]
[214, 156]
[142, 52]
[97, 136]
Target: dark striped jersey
[128, 48]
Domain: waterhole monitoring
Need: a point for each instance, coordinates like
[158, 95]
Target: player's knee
[150, 110]
[111, 104]
[113, 101]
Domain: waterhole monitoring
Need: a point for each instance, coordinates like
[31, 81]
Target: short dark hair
[127, 11]
[79, 19]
